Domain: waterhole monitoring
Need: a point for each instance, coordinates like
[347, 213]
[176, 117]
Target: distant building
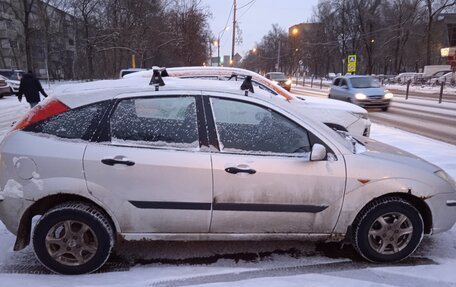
[304, 40]
[52, 49]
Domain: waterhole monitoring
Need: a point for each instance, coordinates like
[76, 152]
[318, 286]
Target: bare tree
[432, 8]
[22, 10]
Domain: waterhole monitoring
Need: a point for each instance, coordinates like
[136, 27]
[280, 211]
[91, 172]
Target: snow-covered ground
[247, 263]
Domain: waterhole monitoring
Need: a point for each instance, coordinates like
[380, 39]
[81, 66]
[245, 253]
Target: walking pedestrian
[31, 88]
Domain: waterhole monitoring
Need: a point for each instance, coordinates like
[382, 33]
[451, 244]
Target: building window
[452, 34]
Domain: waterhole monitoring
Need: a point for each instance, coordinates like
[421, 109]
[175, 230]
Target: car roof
[75, 95]
[198, 71]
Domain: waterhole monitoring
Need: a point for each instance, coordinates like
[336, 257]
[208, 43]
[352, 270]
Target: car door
[344, 92]
[263, 178]
[148, 167]
[335, 89]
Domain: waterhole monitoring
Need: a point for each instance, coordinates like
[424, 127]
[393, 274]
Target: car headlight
[388, 96]
[360, 115]
[446, 177]
[360, 96]
[288, 82]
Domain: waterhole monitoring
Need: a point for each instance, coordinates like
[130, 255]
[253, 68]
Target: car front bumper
[443, 208]
[371, 103]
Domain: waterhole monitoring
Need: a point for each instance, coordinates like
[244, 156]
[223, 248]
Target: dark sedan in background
[280, 79]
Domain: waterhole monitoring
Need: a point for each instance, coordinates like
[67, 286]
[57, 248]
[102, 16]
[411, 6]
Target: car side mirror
[318, 152]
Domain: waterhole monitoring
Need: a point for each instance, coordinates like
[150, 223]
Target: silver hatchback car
[204, 160]
[364, 91]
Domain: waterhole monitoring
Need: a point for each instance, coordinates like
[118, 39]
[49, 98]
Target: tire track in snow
[324, 268]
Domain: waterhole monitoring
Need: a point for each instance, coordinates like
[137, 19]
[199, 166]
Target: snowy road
[424, 117]
[285, 263]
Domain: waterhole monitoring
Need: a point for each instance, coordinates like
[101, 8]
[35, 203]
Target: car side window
[336, 82]
[248, 128]
[157, 122]
[343, 82]
[79, 123]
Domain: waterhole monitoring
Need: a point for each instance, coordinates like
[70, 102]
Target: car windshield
[277, 76]
[364, 82]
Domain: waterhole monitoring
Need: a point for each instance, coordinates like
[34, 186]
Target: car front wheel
[388, 230]
[73, 238]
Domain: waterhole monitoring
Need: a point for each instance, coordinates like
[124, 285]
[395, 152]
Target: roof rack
[156, 79]
[247, 85]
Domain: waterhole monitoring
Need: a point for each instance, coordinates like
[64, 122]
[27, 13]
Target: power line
[227, 20]
[251, 4]
[245, 5]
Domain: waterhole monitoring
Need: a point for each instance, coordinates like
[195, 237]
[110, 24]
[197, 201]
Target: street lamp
[217, 43]
[295, 31]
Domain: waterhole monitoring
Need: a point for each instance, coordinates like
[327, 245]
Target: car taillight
[41, 112]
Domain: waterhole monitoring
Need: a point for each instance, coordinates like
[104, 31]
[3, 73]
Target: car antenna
[156, 79]
[247, 85]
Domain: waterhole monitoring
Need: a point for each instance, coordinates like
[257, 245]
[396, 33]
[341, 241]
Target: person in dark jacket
[31, 88]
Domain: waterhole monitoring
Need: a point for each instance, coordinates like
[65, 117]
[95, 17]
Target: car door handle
[235, 170]
[112, 161]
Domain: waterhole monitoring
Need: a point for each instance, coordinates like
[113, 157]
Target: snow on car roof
[74, 95]
[199, 71]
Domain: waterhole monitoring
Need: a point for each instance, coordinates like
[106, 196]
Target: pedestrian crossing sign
[351, 67]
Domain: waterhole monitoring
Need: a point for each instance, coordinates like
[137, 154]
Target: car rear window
[79, 123]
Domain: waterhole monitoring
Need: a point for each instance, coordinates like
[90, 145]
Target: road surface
[421, 115]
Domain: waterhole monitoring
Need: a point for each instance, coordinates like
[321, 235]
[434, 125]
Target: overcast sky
[255, 19]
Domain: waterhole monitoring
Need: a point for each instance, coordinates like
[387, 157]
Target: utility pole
[234, 34]
[278, 58]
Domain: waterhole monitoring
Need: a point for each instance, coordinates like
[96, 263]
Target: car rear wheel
[73, 238]
[388, 230]
[385, 109]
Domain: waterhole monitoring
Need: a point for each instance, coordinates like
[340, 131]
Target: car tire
[385, 109]
[73, 238]
[387, 230]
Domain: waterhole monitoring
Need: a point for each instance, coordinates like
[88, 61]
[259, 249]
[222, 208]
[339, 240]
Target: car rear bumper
[5, 90]
[12, 208]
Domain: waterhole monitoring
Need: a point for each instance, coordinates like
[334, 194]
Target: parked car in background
[364, 91]
[448, 78]
[435, 78]
[124, 72]
[331, 76]
[336, 114]
[403, 78]
[201, 160]
[13, 78]
[4, 87]
[280, 79]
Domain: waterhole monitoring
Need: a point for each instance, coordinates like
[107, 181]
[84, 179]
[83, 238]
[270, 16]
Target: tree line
[387, 36]
[87, 39]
